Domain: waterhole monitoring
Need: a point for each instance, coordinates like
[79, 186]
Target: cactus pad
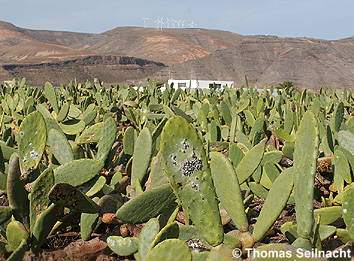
[189, 174]
[32, 141]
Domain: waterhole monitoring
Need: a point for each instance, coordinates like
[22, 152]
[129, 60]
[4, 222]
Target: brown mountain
[179, 53]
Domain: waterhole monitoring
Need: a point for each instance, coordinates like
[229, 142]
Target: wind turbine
[145, 19]
[192, 24]
[159, 23]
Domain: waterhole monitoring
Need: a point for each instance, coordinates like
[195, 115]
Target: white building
[201, 84]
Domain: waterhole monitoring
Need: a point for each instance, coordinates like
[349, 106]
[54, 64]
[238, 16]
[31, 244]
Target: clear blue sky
[328, 19]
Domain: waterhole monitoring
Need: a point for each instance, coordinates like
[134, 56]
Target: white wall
[202, 84]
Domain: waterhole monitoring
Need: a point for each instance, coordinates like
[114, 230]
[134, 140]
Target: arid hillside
[178, 53]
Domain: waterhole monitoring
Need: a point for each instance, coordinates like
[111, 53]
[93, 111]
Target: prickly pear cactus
[108, 136]
[43, 225]
[32, 141]
[15, 233]
[274, 203]
[147, 236]
[77, 172]
[189, 174]
[338, 117]
[142, 156]
[305, 159]
[123, 246]
[170, 249]
[146, 205]
[91, 134]
[59, 146]
[65, 195]
[348, 211]
[250, 162]
[341, 166]
[224, 176]
[16, 192]
[38, 197]
[328, 215]
[49, 93]
[128, 140]
[346, 140]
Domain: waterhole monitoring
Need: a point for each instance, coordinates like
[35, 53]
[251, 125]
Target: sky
[326, 19]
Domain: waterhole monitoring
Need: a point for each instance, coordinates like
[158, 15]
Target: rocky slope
[178, 53]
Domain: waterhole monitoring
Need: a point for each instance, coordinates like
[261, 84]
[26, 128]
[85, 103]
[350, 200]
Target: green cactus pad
[97, 187]
[147, 205]
[77, 172]
[91, 134]
[128, 140]
[50, 94]
[6, 151]
[171, 230]
[250, 162]
[142, 155]
[235, 154]
[346, 140]
[224, 177]
[44, 224]
[274, 204]
[15, 233]
[171, 249]
[72, 127]
[341, 166]
[19, 252]
[39, 200]
[272, 157]
[49, 120]
[16, 192]
[123, 246]
[5, 214]
[189, 174]
[302, 243]
[147, 237]
[59, 146]
[89, 117]
[157, 175]
[338, 117]
[328, 215]
[108, 136]
[305, 159]
[63, 112]
[68, 196]
[88, 223]
[32, 141]
[348, 211]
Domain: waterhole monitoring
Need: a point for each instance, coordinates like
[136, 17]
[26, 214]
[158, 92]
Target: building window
[214, 86]
[182, 84]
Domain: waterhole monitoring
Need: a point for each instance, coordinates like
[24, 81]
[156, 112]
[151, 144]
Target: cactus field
[157, 173]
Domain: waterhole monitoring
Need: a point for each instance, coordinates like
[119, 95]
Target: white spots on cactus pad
[195, 186]
[21, 133]
[30, 144]
[192, 165]
[24, 159]
[185, 144]
[34, 154]
[345, 211]
[173, 159]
